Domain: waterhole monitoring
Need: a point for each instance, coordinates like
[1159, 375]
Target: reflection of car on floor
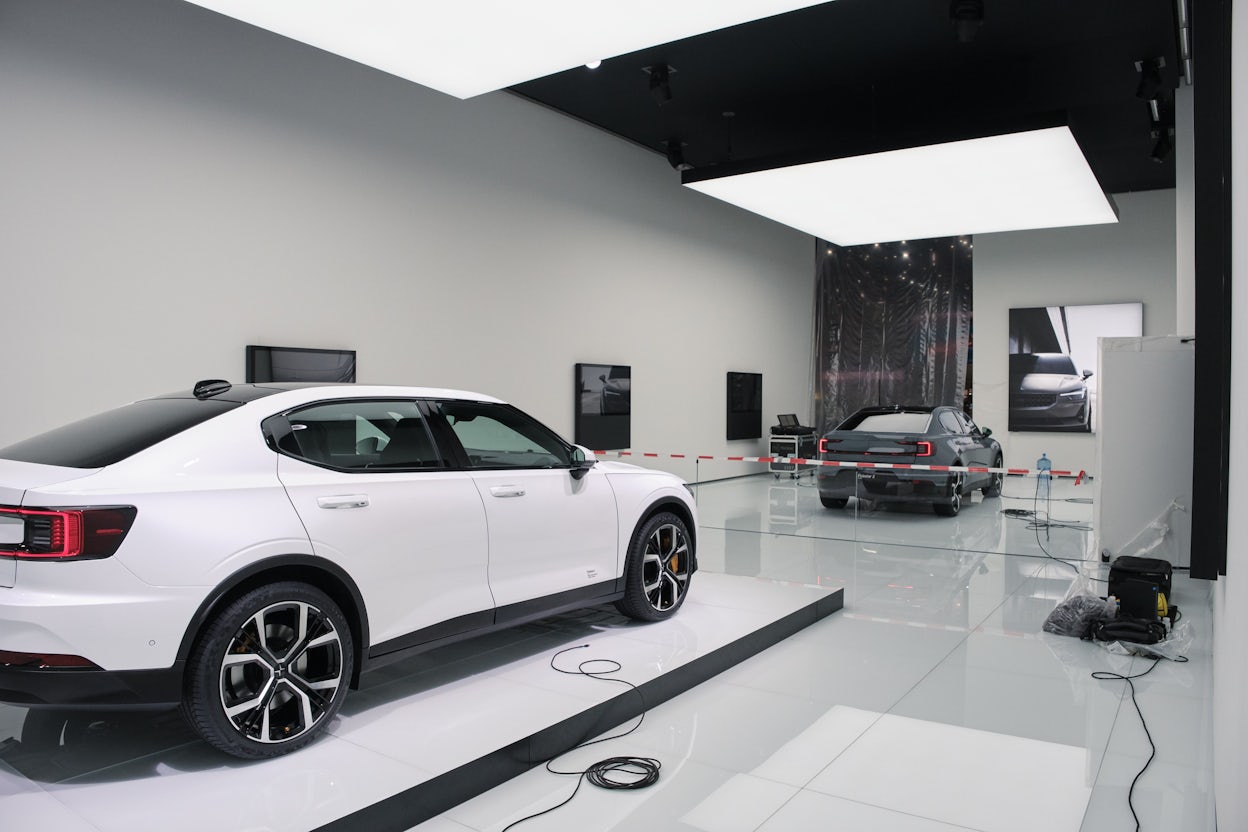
[247, 551]
[617, 390]
[1047, 391]
[908, 436]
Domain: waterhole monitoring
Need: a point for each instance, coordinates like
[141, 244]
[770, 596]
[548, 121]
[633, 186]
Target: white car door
[378, 499]
[548, 531]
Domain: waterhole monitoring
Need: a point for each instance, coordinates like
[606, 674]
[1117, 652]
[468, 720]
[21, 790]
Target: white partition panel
[1144, 464]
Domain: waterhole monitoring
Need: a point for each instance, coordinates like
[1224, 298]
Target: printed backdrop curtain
[892, 324]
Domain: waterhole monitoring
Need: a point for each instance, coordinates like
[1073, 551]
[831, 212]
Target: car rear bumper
[57, 687]
[128, 631]
[885, 485]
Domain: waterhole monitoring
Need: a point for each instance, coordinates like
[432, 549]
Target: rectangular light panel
[468, 47]
[1011, 182]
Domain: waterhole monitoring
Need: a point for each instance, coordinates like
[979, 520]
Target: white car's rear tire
[270, 671]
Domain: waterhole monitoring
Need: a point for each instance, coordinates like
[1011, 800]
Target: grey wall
[1132, 260]
[178, 185]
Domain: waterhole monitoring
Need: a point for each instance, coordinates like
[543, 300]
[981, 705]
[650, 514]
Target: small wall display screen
[745, 405]
[604, 406]
[299, 364]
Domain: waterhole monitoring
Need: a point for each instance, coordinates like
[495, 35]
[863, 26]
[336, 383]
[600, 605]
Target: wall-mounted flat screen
[604, 406]
[745, 405]
[299, 364]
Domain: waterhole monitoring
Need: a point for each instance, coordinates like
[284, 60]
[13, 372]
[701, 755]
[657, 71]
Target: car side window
[364, 435]
[500, 436]
[950, 422]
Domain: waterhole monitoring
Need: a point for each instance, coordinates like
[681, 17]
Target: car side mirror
[581, 463]
[985, 432]
[1087, 374]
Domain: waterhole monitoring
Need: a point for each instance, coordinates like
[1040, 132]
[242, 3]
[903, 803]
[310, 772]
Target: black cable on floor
[1106, 675]
[613, 772]
[1037, 524]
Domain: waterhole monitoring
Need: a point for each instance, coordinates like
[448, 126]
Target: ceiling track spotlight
[1183, 20]
[676, 154]
[1150, 78]
[1164, 146]
[966, 16]
[660, 83]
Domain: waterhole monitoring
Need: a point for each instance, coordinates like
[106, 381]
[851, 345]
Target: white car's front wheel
[270, 671]
[659, 568]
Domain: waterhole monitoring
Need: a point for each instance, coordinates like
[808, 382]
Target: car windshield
[889, 423]
[1022, 364]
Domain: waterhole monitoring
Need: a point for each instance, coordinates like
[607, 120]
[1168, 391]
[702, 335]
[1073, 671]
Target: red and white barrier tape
[1077, 476]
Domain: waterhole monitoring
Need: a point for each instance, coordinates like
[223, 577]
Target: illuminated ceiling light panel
[1011, 182]
[468, 47]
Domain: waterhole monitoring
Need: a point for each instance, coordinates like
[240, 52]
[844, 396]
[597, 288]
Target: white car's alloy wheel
[270, 671]
[659, 568]
[281, 672]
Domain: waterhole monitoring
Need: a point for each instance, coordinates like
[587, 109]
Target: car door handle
[343, 501]
[507, 491]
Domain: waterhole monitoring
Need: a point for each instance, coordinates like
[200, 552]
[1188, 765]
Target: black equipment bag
[1136, 583]
[1138, 631]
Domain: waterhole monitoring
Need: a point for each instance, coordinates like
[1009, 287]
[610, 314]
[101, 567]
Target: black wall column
[1211, 89]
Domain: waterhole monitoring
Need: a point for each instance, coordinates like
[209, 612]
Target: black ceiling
[852, 75]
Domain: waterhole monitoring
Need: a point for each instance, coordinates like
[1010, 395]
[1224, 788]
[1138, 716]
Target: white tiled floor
[931, 703]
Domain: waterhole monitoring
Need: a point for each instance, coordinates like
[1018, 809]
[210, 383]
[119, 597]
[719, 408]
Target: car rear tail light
[59, 534]
[41, 661]
[825, 442]
[921, 448]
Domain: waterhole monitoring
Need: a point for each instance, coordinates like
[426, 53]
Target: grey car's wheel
[659, 569]
[954, 505]
[270, 671]
[993, 488]
[834, 502]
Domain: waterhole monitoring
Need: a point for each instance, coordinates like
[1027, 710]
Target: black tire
[993, 488]
[834, 502]
[954, 505]
[270, 671]
[659, 568]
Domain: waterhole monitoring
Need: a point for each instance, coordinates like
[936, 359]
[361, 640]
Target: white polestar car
[247, 551]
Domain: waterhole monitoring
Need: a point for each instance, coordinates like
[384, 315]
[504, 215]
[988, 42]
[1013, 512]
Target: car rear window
[112, 436]
[889, 423]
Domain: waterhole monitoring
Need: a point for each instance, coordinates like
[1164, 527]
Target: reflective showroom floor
[932, 701]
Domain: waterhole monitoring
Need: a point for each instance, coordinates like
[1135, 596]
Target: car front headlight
[1075, 395]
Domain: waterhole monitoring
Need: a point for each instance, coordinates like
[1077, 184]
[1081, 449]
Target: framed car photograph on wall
[1052, 364]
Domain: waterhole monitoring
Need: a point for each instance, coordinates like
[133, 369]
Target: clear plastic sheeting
[893, 324]
[1082, 608]
[1159, 539]
[1075, 616]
